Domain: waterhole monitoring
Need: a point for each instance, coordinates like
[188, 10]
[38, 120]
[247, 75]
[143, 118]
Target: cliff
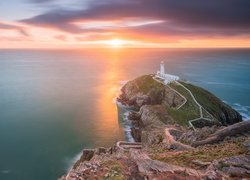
[147, 91]
[182, 132]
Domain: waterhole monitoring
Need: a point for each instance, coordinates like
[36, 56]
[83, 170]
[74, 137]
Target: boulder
[87, 154]
[136, 133]
[101, 150]
[236, 166]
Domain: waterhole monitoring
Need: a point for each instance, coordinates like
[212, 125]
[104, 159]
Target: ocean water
[54, 103]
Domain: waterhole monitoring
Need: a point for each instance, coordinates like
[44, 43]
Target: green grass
[188, 111]
[209, 101]
[146, 83]
[206, 115]
[204, 97]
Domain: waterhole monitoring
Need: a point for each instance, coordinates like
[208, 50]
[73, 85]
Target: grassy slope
[206, 154]
[190, 110]
[146, 83]
[187, 112]
[209, 101]
[204, 97]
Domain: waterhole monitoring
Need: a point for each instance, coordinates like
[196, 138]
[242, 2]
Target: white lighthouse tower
[166, 78]
[162, 69]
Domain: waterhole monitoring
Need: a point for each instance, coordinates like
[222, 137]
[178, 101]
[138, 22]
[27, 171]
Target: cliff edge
[145, 90]
[182, 132]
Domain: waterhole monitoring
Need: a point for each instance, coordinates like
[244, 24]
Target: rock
[172, 143]
[136, 133]
[149, 167]
[175, 133]
[191, 136]
[146, 91]
[236, 171]
[154, 115]
[236, 166]
[142, 100]
[150, 137]
[246, 145]
[233, 130]
[87, 154]
[155, 126]
[201, 163]
[134, 116]
[101, 150]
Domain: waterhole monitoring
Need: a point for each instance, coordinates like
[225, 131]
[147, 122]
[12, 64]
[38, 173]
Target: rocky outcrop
[242, 127]
[154, 169]
[164, 146]
[236, 166]
[131, 164]
[150, 120]
[227, 159]
[153, 99]
[171, 141]
[146, 91]
[190, 136]
[136, 134]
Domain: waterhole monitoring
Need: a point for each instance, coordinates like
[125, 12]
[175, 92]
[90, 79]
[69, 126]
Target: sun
[116, 43]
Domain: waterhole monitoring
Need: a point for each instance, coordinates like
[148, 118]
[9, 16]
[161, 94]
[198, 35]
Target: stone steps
[128, 145]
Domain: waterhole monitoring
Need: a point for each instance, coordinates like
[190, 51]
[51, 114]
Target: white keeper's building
[167, 78]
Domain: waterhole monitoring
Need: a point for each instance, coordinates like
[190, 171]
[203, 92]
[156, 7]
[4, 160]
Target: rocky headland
[181, 131]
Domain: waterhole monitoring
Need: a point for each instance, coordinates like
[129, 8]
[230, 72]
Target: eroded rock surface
[165, 150]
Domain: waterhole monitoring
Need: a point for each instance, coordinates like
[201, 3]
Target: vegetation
[206, 153]
[210, 102]
[206, 114]
[115, 170]
[146, 83]
[187, 112]
[212, 106]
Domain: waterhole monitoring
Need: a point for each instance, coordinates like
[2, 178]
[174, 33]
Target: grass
[210, 102]
[206, 115]
[206, 154]
[115, 171]
[146, 83]
[187, 112]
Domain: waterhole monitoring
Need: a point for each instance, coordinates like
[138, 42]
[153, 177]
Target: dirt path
[201, 108]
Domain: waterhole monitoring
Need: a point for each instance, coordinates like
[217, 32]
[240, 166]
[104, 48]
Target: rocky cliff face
[168, 158]
[166, 148]
[146, 91]
[153, 101]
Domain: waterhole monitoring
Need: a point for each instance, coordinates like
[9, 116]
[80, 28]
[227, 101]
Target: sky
[124, 23]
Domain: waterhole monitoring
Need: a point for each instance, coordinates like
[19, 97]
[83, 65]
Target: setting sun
[116, 43]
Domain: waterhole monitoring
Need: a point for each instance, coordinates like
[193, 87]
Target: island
[181, 131]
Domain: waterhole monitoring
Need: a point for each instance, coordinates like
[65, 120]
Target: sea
[54, 103]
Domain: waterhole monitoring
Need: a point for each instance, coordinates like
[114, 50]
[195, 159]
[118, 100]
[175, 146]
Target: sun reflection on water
[109, 88]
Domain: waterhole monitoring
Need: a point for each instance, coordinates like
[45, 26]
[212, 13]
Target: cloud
[19, 29]
[192, 17]
[41, 1]
[61, 37]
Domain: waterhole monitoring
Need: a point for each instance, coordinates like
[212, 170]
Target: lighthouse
[162, 69]
[166, 78]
